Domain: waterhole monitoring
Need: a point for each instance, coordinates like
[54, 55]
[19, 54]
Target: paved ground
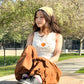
[68, 68]
[71, 65]
[11, 52]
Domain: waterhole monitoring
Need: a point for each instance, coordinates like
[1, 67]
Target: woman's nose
[38, 19]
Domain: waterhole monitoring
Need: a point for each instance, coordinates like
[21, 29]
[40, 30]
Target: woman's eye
[39, 17]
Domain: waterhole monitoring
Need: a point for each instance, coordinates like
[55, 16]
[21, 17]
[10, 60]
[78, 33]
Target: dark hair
[51, 23]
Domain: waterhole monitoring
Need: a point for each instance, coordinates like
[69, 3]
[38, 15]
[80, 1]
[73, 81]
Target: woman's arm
[30, 39]
[59, 41]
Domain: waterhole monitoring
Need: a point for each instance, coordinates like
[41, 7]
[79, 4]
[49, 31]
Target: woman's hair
[51, 23]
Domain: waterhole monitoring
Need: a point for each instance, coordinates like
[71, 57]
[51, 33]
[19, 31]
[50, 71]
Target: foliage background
[16, 18]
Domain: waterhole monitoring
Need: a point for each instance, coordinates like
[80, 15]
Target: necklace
[41, 35]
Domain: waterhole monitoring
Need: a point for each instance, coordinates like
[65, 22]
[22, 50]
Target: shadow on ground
[75, 75]
[8, 82]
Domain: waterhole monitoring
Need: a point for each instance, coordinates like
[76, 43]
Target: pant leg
[30, 80]
[35, 81]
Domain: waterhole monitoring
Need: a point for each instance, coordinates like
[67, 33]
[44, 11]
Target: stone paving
[68, 68]
[71, 65]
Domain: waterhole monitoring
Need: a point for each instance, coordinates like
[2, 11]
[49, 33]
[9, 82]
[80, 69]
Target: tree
[80, 22]
[71, 19]
[17, 18]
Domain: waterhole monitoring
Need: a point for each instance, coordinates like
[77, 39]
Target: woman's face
[40, 20]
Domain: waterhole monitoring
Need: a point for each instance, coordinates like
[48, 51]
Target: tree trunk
[81, 45]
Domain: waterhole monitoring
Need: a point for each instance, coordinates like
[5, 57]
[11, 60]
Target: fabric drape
[32, 64]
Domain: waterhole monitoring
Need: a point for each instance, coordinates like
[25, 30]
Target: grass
[69, 56]
[11, 62]
[6, 70]
[80, 71]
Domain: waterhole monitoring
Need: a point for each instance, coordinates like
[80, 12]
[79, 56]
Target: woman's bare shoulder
[30, 39]
[58, 36]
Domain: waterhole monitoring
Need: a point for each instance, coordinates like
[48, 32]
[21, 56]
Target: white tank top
[45, 45]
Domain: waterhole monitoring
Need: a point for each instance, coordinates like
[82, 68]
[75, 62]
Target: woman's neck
[45, 32]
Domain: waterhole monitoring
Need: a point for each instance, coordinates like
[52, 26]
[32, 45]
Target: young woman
[46, 36]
